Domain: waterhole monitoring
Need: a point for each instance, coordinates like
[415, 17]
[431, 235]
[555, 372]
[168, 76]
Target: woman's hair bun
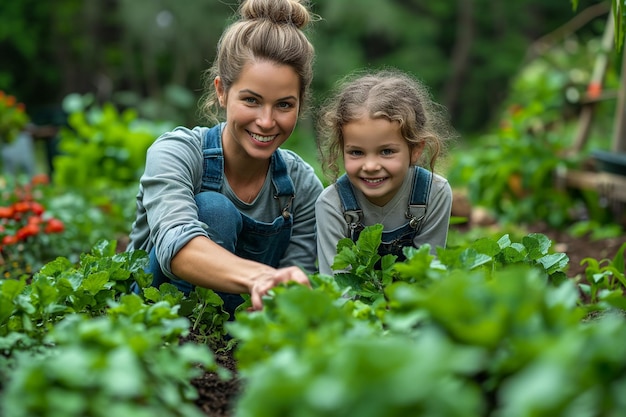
[291, 12]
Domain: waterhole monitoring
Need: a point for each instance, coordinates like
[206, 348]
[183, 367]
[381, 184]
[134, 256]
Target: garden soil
[218, 396]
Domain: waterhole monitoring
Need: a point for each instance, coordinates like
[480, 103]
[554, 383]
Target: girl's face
[261, 108]
[377, 157]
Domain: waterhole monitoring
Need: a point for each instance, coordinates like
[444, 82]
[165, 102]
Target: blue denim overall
[227, 226]
[394, 240]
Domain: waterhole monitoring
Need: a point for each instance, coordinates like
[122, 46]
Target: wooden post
[619, 134]
[595, 85]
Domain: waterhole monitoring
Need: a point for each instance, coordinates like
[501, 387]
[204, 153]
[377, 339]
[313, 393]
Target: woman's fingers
[268, 280]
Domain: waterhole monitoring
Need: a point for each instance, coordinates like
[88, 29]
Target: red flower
[40, 179]
[35, 220]
[54, 226]
[6, 212]
[21, 207]
[9, 240]
[27, 231]
[36, 208]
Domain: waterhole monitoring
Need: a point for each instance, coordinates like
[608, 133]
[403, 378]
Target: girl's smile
[376, 157]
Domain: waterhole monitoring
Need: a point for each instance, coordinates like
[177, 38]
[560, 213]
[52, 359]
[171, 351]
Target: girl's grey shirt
[332, 226]
[167, 217]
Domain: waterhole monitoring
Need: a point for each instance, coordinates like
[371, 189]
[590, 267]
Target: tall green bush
[103, 148]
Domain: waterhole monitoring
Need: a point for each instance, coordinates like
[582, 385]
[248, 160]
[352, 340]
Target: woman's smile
[261, 138]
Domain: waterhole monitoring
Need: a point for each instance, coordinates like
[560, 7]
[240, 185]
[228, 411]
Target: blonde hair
[387, 93]
[270, 30]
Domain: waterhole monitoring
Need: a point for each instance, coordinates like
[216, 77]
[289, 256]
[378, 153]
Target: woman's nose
[265, 118]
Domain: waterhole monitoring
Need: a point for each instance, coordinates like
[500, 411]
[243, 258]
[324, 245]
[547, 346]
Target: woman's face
[262, 108]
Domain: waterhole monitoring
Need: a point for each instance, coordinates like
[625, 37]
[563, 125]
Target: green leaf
[554, 262]
[95, 282]
[618, 261]
[512, 254]
[486, 246]
[537, 245]
[504, 241]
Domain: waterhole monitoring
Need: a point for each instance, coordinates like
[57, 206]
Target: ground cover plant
[496, 327]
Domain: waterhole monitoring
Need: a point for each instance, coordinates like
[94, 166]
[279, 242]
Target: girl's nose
[371, 164]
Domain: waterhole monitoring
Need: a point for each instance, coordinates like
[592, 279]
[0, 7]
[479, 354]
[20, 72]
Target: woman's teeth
[260, 138]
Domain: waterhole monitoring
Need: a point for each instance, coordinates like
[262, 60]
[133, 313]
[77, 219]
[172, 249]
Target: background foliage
[150, 54]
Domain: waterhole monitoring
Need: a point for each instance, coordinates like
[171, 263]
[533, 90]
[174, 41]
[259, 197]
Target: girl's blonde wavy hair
[387, 93]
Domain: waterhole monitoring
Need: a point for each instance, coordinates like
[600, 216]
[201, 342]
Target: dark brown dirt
[216, 395]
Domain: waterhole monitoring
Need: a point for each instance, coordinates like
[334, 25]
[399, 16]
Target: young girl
[384, 125]
[224, 207]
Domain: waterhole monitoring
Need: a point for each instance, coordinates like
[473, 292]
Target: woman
[223, 207]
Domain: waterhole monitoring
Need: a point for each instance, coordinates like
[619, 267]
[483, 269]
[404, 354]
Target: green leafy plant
[605, 279]
[110, 366]
[493, 330]
[512, 169]
[359, 262]
[203, 307]
[90, 218]
[29, 311]
[367, 376]
[488, 328]
[595, 230]
[281, 325]
[102, 148]
[513, 174]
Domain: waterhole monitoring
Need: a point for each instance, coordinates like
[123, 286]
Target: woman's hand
[230, 273]
[270, 278]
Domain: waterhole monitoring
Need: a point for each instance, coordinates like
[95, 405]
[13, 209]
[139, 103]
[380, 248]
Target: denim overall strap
[422, 181]
[352, 212]
[213, 165]
[285, 190]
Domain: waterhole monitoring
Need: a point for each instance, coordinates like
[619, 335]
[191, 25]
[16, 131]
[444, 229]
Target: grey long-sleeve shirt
[167, 216]
[332, 226]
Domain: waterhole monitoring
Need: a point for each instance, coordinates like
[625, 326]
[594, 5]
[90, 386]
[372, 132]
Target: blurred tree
[150, 54]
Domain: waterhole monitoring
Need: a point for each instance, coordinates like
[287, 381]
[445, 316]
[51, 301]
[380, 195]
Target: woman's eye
[250, 100]
[285, 105]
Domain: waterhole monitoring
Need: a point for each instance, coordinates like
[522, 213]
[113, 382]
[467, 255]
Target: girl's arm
[331, 227]
[437, 221]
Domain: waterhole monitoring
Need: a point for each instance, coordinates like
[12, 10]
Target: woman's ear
[220, 91]
[416, 152]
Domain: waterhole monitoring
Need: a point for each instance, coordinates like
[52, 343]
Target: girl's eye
[387, 152]
[355, 153]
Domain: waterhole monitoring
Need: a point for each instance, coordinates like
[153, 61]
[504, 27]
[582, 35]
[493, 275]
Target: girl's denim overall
[394, 240]
[227, 226]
